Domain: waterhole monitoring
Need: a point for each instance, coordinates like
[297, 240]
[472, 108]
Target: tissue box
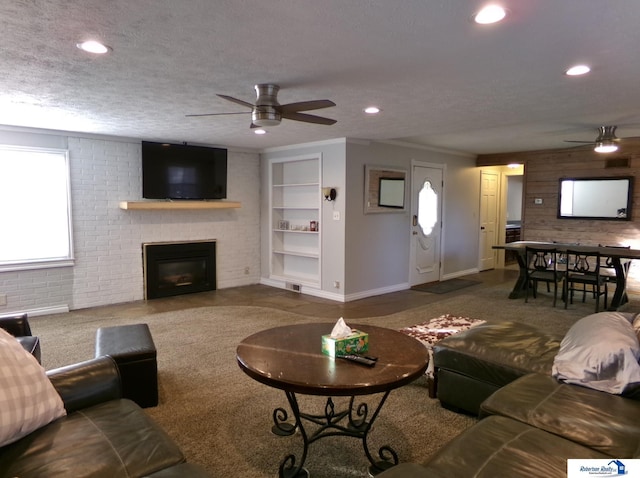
[356, 343]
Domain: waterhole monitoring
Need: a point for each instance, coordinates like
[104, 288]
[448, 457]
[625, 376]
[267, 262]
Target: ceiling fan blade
[220, 114]
[306, 105]
[236, 100]
[308, 118]
[583, 142]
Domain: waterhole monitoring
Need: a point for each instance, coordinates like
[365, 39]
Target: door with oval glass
[426, 223]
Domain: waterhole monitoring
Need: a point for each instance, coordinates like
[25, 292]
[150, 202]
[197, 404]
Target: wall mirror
[384, 190]
[596, 198]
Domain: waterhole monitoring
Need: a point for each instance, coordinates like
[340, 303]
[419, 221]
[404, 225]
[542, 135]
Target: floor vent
[293, 287]
[617, 163]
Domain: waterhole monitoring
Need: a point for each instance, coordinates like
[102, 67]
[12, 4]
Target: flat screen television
[180, 171]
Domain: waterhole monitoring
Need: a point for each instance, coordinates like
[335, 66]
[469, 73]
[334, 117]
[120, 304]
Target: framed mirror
[596, 198]
[384, 190]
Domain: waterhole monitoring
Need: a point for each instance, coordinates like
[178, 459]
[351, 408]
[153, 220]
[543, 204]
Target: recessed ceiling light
[260, 131]
[372, 110]
[93, 46]
[578, 70]
[490, 14]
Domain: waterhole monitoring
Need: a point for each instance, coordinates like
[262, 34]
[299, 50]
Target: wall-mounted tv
[181, 171]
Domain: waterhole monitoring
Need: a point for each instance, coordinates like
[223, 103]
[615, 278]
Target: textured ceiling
[440, 79]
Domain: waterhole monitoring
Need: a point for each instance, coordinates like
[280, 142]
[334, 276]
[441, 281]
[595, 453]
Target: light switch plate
[537, 201]
[336, 215]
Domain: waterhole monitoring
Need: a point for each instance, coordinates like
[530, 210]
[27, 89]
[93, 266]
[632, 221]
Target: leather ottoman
[132, 348]
[473, 364]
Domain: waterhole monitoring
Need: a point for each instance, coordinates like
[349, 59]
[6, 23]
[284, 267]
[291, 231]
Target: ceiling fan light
[265, 116]
[265, 122]
[605, 147]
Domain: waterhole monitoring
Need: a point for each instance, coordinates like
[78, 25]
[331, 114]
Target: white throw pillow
[600, 351]
[28, 400]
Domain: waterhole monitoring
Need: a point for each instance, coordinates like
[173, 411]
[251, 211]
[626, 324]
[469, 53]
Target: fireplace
[174, 268]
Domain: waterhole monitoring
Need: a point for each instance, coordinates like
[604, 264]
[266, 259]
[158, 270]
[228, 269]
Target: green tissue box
[356, 343]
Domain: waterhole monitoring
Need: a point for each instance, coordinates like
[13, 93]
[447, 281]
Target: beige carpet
[221, 418]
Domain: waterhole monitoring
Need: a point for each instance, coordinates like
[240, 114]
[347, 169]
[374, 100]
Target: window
[427, 208]
[35, 208]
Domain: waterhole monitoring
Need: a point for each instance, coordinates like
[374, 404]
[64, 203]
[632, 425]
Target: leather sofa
[18, 326]
[541, 399]
[530, 427]
[102, 435]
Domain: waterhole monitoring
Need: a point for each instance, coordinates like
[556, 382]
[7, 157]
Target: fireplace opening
[176, 268]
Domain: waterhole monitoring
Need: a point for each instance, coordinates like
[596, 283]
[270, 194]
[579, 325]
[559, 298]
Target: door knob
[482, 228]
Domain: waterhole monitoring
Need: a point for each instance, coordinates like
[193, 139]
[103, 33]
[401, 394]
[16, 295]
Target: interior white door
[488, 218]
[426, 224]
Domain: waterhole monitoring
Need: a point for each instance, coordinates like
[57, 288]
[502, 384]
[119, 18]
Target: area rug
[433, 331]
[445, 287]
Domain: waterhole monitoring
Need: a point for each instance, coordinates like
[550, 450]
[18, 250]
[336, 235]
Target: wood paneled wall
[542, 171]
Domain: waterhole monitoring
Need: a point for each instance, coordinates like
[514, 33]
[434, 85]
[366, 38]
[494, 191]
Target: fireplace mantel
[157, 205]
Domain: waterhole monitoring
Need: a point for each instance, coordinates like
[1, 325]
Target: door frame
[443, 168]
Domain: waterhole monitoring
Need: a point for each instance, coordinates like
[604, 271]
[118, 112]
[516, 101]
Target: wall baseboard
[55, 309]
[337, 297]
[373, 292]
[304, 289]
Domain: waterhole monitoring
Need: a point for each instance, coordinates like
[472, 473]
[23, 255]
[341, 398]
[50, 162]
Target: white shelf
[293, 231]
[311, 255]
[297, 208]
[299, 279]
[296, 185]
[295, 197]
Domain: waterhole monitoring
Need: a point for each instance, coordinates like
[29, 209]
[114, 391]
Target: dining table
[619, 259]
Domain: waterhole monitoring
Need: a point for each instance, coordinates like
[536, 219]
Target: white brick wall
[107, 239]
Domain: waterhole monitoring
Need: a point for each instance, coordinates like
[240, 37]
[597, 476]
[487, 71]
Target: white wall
[332, 232]
[377, 245]
[107, 239]
[368, 254]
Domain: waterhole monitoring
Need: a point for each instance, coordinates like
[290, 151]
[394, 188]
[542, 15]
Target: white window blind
[35, 208]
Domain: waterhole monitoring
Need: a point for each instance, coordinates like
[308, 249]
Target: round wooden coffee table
[290, 358]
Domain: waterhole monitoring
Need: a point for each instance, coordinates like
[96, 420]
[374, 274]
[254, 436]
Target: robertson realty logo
[602, 468]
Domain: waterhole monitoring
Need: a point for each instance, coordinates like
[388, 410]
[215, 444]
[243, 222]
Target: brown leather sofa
[530, 423]
[18, 326]
[102, 435]
[530, 427]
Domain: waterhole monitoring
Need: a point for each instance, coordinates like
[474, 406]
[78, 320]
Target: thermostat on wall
[537, 201]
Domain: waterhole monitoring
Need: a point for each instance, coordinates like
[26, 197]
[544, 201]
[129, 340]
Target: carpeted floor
[221, 418]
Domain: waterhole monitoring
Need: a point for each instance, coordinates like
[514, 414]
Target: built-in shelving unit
[156, 205]
[295, 211]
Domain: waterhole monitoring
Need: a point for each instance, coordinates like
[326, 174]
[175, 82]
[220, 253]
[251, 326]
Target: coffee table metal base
[353, 422]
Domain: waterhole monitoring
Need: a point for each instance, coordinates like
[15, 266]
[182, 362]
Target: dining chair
[583, 269]
[606, 265]
[542, 266]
